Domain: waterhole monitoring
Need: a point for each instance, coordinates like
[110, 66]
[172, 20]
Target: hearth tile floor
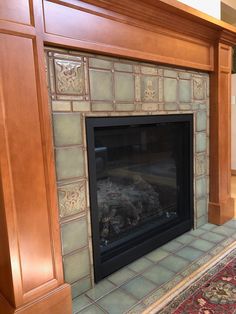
[136, 286]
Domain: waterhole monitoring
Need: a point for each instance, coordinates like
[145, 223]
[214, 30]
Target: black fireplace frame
[103, 267]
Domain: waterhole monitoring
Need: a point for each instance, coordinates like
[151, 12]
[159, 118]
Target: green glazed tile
[174, 263]
[81, 106]
[76, 266]
[208, 227]
[117, 302]
[74, 235]
[149, 88]
[171, 106]
[201, 165]
[201, 142]
[201, 187]
[79, 303]
[185, 75]
[140, 265]
[92, 309]
[197, 232]
[59, 105]
[185, 238]
[124, 87]
[102, 106]
[69, 163]
[170, 73]
[201, 221]
[185, 106]
[202, 245]
[189, 253]
[157, 255]
[125, 107]
[224, 230]
[80, 287]
[139, 287]
[158, 275]
[172, 246]
[201, 207]
[170, 90]
[100, 63]
[201, 124]
[67, 129]
[231, 224]
[184, 91]
[121, 276]
[100, 85]
[123, 67]
[213, 237]
[100, 289]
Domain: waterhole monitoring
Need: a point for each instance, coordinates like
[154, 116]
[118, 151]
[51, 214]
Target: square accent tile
[140, 265]
[79, 303]
[213, 237]
[149, 88]
[157, 255]
[172, 246]
[185, 238]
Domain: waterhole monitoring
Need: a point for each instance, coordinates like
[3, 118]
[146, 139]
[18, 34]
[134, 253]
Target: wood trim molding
[233, 172]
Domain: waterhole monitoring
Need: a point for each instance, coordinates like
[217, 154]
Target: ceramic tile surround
[81, 85]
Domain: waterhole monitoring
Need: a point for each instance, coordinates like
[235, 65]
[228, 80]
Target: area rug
[213, 293]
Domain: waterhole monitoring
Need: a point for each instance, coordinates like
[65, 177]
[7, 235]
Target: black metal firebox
[141, 185]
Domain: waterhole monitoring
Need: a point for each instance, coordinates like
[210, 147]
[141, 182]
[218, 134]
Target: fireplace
[141, 185]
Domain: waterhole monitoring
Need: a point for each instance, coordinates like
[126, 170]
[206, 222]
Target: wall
[211, 7]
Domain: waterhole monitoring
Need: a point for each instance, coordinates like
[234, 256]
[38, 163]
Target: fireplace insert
[140, 185]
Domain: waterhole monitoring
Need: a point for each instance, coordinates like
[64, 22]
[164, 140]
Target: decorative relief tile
[71, 198]
[69, 77]
[198, 88]
[149, 88]
[124, 86]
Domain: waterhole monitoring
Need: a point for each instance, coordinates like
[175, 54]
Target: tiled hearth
[82, 85]
[142, 283]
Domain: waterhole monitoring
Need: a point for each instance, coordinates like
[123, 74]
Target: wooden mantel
[164, 31]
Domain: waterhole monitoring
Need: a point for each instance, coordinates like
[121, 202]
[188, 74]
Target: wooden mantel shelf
[164, 31]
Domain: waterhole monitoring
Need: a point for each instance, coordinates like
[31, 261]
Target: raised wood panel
[24, 144]
[18, 11]
[100, 33]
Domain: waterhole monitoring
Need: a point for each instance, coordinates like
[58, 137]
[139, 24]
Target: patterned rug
[213, 293]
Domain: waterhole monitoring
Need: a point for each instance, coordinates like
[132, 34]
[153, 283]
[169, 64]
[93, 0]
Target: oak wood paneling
[18, 11]
[136, 42]
[24, 146]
